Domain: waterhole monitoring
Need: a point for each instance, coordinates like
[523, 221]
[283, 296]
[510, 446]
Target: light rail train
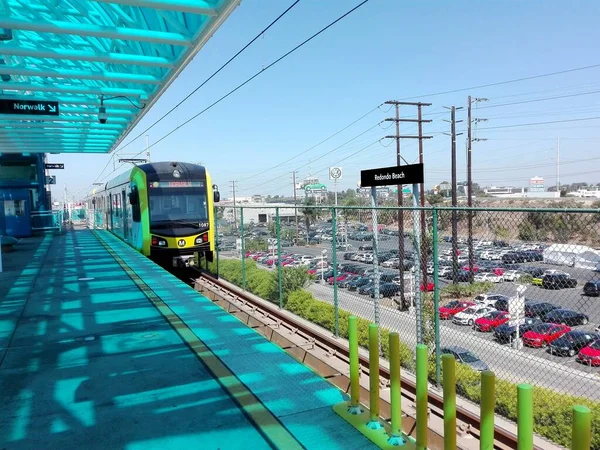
[165, 210]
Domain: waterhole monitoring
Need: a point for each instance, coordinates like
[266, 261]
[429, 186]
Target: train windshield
[178, 208]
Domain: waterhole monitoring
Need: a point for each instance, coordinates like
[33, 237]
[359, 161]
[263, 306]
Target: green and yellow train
[165, 210]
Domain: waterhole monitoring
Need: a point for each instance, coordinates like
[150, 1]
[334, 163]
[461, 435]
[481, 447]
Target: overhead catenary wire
[264, 69]
[229, 61]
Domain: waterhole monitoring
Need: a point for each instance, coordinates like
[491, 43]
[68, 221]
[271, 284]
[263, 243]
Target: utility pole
[453, 135]
[470, 140]
[399, 159]
[295, 202]
[234, 209]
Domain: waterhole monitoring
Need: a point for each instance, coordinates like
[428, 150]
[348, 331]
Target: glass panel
[185, 205]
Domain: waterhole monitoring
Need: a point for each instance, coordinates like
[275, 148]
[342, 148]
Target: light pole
[323, 253]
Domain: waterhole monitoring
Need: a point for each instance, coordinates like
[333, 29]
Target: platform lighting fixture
[103, 115]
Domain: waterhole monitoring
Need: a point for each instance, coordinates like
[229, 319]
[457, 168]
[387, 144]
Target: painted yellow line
[276, 434]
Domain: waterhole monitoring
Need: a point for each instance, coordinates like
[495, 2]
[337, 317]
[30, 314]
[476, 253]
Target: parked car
[567, 317]
[558, 281]
[464, 356]
[507, 332]
[454, 307]
[491, 320]
[512, 275]
[572, 342]
[539, 309]
[541, 335]
[387, 290]
[489, 299]
[590, 355]
[471, 314]
[592, 288]
[491, 277]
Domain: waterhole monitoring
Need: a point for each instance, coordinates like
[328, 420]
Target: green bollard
[524, 417]
[395, 395]
[488, 402]
[422, 396]
[449, 382]
[374, 423]
[582, 423]
[354, 367]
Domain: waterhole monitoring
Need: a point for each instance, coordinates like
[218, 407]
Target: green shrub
[552, 411]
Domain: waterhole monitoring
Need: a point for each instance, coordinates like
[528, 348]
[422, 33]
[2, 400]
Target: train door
[110, 212]
[124, 210]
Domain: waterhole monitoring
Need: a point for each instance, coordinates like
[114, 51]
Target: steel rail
[504, 438]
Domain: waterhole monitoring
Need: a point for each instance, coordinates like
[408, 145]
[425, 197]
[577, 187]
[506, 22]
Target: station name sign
[28, 107]
[389, 176]
[54, 166]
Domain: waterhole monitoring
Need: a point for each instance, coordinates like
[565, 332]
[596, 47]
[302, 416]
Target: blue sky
[387, 49]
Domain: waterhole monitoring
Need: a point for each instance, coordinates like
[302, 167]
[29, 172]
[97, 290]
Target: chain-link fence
[512, 290]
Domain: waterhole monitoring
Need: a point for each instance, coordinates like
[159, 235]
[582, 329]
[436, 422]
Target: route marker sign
[387, 176]
[29, 107]
[54, 166]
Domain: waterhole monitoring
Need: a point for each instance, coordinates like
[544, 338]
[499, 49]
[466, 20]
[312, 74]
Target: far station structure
[78, 79]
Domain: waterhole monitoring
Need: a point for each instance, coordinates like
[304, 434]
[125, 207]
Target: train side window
[134, 200]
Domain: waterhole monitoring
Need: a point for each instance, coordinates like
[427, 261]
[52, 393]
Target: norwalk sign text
[29, 107]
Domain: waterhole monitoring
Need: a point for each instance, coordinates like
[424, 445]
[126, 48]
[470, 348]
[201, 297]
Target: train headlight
[159, 241]
[198, 240]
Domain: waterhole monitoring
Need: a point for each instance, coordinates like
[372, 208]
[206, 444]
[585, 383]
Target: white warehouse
[262, 212]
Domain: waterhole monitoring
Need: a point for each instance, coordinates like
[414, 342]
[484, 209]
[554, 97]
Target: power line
[541, 99]
[213, 75]
[306, 41]
[314, 146]
[499, 83]
[541, 123]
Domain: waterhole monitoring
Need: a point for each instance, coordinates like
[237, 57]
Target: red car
[340, 277]
[467, 268]
[491, 321]
[590, 355]
[454, 307]
[544, 333]
[430, 287]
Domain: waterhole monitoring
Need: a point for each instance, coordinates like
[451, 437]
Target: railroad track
[330, 358]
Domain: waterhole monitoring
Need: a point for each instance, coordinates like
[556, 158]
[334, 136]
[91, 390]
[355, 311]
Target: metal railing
[47, 221]
[437, 285]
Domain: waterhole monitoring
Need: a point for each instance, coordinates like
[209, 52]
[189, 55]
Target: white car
[489, 299]
[512, 275]
[391, 263]
[488, 277]
[471, 314]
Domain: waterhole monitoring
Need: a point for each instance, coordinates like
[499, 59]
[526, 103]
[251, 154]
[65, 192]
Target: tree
[311, 214]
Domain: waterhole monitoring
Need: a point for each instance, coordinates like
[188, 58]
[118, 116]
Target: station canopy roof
[84, 54]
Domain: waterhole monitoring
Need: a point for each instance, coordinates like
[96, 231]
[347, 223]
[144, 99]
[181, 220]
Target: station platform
[102, 349]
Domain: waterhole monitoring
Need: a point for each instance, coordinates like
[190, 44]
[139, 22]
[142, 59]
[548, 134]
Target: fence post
[449, 401]
[524, 417]
[488, 401]
[581, 438]
[376, 276]
[243, 247]
[418, 275]
[395, 394]
[374, 423]
[279, 267]
[436, 295]
[354, 367]
[335, 271]
[422, 397]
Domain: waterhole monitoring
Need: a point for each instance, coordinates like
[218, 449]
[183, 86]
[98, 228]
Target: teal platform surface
[101, 349]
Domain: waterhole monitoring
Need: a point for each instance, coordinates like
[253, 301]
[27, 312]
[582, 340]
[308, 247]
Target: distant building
[262, 213]
[318, 191]
[501, 190]
[586, 192]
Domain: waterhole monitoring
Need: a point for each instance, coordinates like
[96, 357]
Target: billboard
[536, 184]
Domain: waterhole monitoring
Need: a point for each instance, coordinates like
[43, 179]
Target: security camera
[102, 116]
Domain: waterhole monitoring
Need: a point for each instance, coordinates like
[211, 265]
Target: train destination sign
[389, 176]
[29, 107]
[176, 184]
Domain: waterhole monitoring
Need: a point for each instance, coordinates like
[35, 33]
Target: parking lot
[564, 374]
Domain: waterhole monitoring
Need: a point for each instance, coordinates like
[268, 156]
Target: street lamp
[323, 253]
